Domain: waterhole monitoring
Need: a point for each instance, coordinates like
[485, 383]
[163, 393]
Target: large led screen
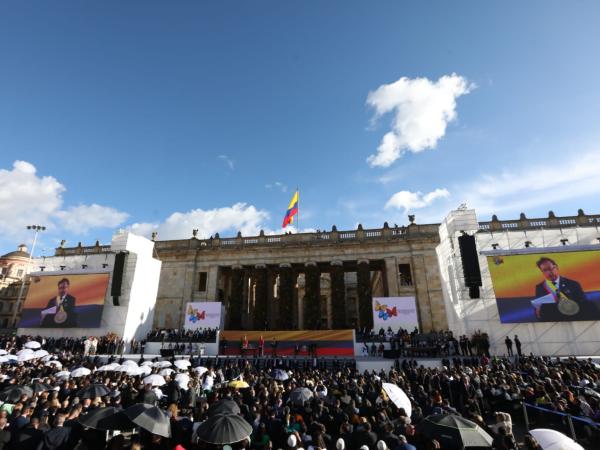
[65, 301]
[547, 286]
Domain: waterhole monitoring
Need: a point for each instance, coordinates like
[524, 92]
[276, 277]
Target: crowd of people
[435, 344]
[180, 335]
[344, 409]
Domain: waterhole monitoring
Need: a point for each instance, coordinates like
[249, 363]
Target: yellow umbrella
[238, 384]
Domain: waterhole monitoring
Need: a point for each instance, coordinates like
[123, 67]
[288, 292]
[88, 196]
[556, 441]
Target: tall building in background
[13, 267]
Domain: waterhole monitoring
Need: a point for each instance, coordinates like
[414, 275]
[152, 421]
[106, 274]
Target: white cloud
[28, 199]
[422, 108]
[82, 218]
[409, 201]
[228, 161]
[277, 185]
[239, 217]
[534, 185]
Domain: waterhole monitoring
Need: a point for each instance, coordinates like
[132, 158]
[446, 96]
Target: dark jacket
[68, 306]
[28, 438]
[572, 289]
[55, 439]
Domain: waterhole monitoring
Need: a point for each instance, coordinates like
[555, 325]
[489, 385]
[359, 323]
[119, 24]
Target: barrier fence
[578, 428]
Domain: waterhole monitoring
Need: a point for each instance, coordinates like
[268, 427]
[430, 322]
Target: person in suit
[63, 301]
[560, 287]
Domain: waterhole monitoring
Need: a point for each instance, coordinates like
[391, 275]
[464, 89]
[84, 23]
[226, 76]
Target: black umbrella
[109, 418]
[300, 395]
[93, 391]
[454, 432]
[150, 418]
[14, 393]
[222, 429]
[224, 406]
[40, 387]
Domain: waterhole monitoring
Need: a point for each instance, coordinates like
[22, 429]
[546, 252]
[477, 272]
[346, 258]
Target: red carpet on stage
[328, 342]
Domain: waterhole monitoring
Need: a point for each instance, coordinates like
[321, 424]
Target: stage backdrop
[395, 312]
[518, 282]
[200, 315]
[84, 301]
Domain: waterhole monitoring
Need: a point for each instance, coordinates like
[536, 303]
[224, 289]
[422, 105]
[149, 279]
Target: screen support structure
[37, 229]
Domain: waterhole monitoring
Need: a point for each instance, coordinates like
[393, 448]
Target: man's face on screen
[549, 270]
[63, 288]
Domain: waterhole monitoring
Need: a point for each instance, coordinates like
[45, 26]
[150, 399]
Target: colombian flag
[291, 211]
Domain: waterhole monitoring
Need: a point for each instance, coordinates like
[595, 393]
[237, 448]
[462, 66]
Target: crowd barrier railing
[568, 424]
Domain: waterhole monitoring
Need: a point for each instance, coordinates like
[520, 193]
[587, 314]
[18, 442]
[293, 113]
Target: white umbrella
[553, 440]
[53, 363]
[144, 370]
[130, 362]
[40, 353]
[3, 352]
[200, 370]
[182, 379]
[3, 359]
[398, 397]
[25, 351]
[33, 344]
[48, 358]
[182, 364]
[80, 372]
[154, 380]
[147, 363]
[162, 364]
[25, 357]
[159, 394]
[165, 372]
[107, 367]
[63, 374]
[128, 369]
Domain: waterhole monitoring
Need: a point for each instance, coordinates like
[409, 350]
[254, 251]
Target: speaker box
[117, 280]
[167, 353]
[470, 263]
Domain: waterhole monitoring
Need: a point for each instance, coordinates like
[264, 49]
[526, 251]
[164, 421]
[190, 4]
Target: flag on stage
[291, 211]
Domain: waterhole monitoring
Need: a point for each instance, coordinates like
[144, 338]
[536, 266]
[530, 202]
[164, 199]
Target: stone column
[338, 296]
[272, 303]
[234, 307]
[260, 297]
[312, 297]
[287, 285]
[391, 275]
[363, 282]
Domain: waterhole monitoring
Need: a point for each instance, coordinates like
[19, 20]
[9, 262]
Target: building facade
[13, 267]
[302, 281]
[468, 315]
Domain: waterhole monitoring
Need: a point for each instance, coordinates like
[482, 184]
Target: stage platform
[288, 343]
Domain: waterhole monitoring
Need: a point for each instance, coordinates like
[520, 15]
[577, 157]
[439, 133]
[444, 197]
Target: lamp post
[36, 229]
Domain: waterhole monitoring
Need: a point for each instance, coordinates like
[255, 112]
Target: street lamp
[36, 229]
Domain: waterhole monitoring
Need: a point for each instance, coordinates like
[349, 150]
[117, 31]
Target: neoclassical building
[13, 267]
[319, 280]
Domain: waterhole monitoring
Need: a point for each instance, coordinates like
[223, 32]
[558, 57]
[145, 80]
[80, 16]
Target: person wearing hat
[404, 445]
[292, 441]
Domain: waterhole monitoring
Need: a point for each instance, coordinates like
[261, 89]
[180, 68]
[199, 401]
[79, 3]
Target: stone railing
[386, 233]
[80, 250]
[523, 223]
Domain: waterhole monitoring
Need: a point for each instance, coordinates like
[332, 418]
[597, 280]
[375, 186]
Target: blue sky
[172, 116]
